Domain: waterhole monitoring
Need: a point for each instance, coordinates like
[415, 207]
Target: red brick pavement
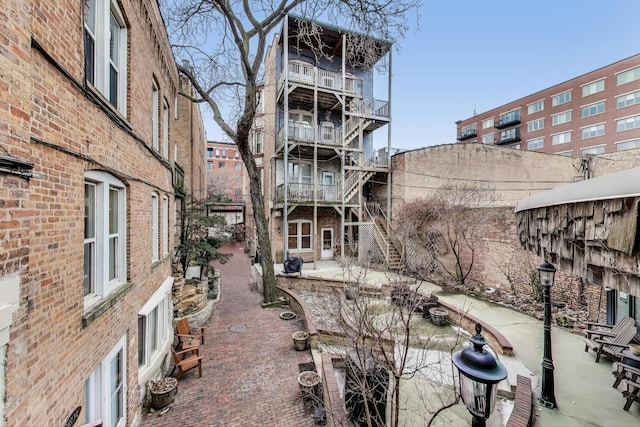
[248, 377]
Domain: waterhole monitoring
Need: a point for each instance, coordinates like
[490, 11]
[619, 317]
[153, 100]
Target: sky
[466, 55]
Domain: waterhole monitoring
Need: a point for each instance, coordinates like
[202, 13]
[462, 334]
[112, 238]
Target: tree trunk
[259, 213]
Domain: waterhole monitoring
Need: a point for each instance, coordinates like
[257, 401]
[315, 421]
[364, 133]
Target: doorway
[327, 243]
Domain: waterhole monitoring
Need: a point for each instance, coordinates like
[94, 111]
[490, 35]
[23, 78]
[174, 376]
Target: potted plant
[438, 315]
[163, 392]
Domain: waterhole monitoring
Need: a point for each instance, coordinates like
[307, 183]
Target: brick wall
[48, 119]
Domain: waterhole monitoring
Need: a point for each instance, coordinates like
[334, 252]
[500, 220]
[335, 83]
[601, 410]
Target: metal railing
[298, 192]
[305, 73]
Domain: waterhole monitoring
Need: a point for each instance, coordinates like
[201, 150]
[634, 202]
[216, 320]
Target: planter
[163, 392]
[300, 339]
[438, 315]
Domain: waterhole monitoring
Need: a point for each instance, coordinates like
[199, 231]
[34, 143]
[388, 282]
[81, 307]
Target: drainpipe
[285, 70]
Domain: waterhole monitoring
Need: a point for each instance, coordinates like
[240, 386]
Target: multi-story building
[226, 182]
[87, 172]
[324, 183]
[598, 112]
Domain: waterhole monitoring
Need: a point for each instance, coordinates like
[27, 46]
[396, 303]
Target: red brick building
[598, 112]
[225, 171]
[87, 165]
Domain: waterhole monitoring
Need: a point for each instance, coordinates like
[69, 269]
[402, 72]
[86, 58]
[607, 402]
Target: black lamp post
[479, 372]
[547, 395]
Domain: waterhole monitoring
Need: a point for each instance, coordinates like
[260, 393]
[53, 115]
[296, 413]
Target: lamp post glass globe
[479, 372]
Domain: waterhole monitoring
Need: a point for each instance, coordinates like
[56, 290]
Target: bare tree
[449, 227]
[225, 43]
[388, 347]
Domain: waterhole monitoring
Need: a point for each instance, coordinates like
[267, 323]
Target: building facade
[87, 168]
[598, 112]
[321, 172]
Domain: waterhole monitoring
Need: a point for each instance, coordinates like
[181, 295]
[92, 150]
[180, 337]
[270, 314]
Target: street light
[547, 395]
[479, 372]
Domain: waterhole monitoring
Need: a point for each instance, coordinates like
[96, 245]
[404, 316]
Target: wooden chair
[613, 345]
[185, 332]
[632, 393]
[607, 331]
[188, 362]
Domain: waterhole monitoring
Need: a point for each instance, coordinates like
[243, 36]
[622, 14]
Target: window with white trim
[165, 128]
[258, 138]
[599, 149]
[155, 119]
[593, 109]
[593, 131]
[152, 333]
[105, 50]
[535, 107]
[561, 138]
[534, 144]
[535, 125]
[155, 255]
[300, 173]
[299, 235]
[105, 391]
[104, 235]
[628, 123]
[558, 119]
[165, 225]
[628, 145]
[628, 76]
[561, 98]
[593, 87]
[488, 123]
[628, 99]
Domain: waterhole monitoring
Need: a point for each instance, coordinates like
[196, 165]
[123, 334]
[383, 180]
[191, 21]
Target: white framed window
[299, 235]
[165, 128]
[104, 235]
[155, 114]
[238, 168]
[561, 138]
[155, 333]
[258, 139]
[535, 125]
[628, 76]
[628, 123]
[105, 391]
[488, 139]
[593, 131]
[224, 153]
[217, 152]
[628, 145]
[535, 107]
[165, 225]
[593, 109]
[105, 50]
[558, 119]
[598, 149]
[300, 173]
[488, 123]
[561, 98]
[628, 99]
[534, 144]
[155, 255]
[593, 87]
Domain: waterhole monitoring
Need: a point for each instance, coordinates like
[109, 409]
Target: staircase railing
[379, 237]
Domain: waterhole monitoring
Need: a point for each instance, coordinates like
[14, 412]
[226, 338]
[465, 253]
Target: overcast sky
[480, 54]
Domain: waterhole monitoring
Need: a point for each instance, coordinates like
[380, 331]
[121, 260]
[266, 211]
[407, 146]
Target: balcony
[305, 133]
[509, 136]
[467, 133]
[509, 119]
[306, 74]
[297, 192]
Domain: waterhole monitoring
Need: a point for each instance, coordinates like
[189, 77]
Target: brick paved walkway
[248, 377]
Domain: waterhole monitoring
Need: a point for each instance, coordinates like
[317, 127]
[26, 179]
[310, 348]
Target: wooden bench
[521, 416]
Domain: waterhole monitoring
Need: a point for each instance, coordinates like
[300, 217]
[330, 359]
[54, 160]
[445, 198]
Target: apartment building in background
[88, 172]
[325, 185]
[595, 113]
[226, 178]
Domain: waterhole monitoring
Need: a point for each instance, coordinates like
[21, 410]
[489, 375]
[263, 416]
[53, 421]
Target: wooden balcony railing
[297, 192]
[305, 73]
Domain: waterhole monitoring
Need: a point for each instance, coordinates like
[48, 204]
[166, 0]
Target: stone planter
[300, 339]
[309, 382]
[163, 392]
[438, 315]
